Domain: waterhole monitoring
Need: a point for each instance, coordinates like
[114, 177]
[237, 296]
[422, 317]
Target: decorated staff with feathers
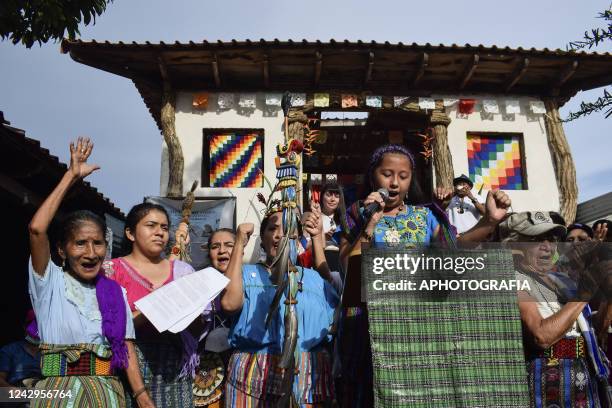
[282, 311]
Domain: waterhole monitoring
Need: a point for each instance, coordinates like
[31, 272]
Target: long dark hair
[415, 193]
[137, 213]
[340, 211]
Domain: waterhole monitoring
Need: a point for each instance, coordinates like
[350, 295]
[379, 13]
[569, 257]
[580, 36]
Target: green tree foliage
[591, 39]
[30, 21]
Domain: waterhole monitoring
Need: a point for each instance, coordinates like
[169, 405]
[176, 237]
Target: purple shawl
[113, 311]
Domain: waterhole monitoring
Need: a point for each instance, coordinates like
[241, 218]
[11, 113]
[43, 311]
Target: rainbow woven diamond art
[235, 160]
[495, 162]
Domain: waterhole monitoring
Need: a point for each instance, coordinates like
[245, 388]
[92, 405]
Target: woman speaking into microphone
[394, 219]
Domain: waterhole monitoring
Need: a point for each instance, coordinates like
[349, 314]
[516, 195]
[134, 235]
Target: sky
[56, 99]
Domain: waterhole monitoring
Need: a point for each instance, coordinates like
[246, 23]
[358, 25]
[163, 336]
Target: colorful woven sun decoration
[183, 252]
[283, 270]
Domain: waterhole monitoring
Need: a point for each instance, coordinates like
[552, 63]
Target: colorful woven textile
[85, 391]
[254, 380]
[77, 359]
[453, 349]
[61, 364]
[563, 383]
[495, 162]
[236, 160]
[160, 365]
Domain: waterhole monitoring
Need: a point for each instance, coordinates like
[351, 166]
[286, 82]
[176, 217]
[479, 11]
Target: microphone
[375, 206]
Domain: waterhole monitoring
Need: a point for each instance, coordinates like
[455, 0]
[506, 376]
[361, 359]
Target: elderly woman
[563, 360]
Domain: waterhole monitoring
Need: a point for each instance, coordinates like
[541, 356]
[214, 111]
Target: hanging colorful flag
[274, 99]
[200, 101]
[321, 100]
[512, 106]
[427, 103]
[466, 106]
[298, 99]
[449, 101]
[495, 162]
[374, 101]
[349, 101]
[537, 107]
[235, 160]
[225, 100]
[490, 106]
[247, 101]
[398, 101]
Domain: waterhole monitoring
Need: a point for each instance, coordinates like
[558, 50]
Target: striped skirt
[254, 380]
[70, 373]
[160, 365]
[562, 383]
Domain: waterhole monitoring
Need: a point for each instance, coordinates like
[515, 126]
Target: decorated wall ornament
[200, 101]
[398, 101]
[490, 106]
[321, 100]
[274, 99]
[512, 106]
[467, 106]
[495, 162]
[247, 101]
[349, 101]
[225, 100]
[298, 99]
[537, 107]
[236, 160]
[427, 103]
[374, 101]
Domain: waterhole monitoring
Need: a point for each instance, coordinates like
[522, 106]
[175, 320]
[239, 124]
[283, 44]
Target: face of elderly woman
[539, 252]
[84, 251]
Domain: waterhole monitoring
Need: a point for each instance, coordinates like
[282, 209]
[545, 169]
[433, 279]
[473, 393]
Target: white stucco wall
[542, 190]
[189, 129]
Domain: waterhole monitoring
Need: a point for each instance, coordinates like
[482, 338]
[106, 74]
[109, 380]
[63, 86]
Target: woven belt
[57, 365]
[565, 348]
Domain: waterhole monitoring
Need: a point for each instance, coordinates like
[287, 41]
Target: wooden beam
[368, 75]
[565, 74]
[163, 69]
[266, 71]
[518, 73]
[215, 67]
[318, 68]
[469, 71]
[421, 71]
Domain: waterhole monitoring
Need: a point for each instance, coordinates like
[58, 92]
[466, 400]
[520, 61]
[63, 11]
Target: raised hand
[244, 232]
[601, 232]
[496, 206]
[443, 193]
[312, 221]
[79, 153]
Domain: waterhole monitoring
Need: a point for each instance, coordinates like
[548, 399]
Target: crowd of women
[95, 343]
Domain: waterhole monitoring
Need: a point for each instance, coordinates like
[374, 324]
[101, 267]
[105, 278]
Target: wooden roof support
[318, 68]
[163, 69]
[215, 67]
[266, 71]
[518, 73]
[368, 76]
[469, 71]
[421, 71]
[564, 76]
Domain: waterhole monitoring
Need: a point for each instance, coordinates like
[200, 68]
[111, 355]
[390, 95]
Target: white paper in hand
[175, 305]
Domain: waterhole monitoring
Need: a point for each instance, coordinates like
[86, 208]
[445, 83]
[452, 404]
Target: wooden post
[175, 152]
[442, 159]
[565, 171]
